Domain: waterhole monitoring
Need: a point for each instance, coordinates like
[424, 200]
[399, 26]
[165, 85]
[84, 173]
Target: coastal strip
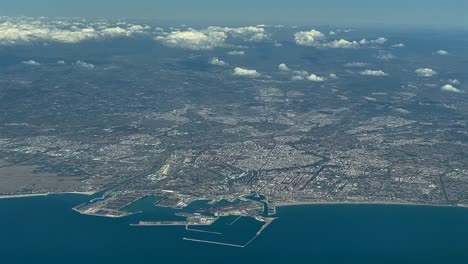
[13, 196]
[299, 203]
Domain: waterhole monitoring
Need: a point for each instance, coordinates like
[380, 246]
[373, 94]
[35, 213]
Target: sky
[441, 13]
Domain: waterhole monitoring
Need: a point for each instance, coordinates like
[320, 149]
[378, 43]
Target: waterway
[46, 230]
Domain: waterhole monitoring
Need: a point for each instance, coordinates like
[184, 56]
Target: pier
[160, 223]
[213, 242]
[267, 221]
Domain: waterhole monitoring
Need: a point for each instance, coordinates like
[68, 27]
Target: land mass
[180, 128]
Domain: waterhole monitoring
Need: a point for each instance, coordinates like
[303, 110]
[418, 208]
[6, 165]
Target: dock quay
[191, 221]
[160, 223]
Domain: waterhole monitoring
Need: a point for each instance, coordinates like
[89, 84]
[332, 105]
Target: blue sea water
[47, 230]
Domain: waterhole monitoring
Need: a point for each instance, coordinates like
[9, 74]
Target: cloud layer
[250, 34]
[15, 31]
[315, 38]
[194, 40]
[211, 37]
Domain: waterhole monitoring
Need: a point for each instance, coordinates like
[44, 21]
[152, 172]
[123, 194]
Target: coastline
[287, 204]
[13, 196]
[277, 204]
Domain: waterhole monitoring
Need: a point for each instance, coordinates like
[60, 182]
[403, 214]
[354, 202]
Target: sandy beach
[284, 204]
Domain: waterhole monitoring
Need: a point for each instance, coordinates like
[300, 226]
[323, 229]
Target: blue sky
[338, 12]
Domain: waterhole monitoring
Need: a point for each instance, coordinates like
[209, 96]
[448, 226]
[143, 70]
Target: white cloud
[278, 44]
[297, 78]
[343, 44]
[373, 73]
[356, 64]
[386, 56]
[84, 64]
[363, 41]
[115, 32]
[441, 52]
[398, 45]
[333, 76]
[194, 40]
[238, 71]
[138, 28]
[315, 38]
[315, 78]
[217, 62]
[450, 88]
[308, 38]
[74, 36]
[31, 63]
[402, 111]
[301, 73]
[379, 41]
[454, 81]
[425, 72]
[236, 53]
[61, 62]
[14, 31]
[250, 34]
[283, 67]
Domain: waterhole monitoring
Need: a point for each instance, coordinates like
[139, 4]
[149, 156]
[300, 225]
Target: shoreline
[277, 204]
[288, 204]
[13, 196]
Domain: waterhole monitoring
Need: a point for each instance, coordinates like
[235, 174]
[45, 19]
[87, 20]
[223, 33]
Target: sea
[47, 230]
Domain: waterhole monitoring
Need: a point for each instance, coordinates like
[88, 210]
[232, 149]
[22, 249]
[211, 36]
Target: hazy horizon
[416, 13]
